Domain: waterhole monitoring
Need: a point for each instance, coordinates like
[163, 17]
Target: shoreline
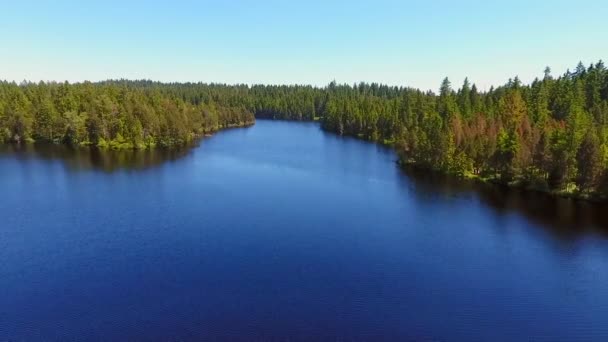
[491, 181]
[515, 185]
[113, 145]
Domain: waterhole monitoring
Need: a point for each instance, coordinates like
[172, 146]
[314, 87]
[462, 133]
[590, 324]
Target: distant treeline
[115, 114]
[550, 135]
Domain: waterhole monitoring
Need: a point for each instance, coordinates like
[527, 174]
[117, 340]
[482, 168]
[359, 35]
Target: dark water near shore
[283, 232]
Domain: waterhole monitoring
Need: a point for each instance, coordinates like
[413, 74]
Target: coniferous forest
[550, 135]
[113, 114]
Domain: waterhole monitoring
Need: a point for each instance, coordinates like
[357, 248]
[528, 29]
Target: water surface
[283, 232]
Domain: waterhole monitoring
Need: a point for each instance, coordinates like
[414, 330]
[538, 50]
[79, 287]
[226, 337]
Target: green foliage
[506, 153]
[550, 135]
[589, 163]
[113, 114]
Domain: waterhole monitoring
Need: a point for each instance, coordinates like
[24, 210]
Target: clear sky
[414, 43]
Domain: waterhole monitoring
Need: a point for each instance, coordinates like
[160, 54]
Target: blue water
[283, 232]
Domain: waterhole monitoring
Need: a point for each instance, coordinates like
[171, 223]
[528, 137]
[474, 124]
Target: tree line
[115, 114]
[551, 134]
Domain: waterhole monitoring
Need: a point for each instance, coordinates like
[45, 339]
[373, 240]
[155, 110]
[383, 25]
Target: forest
[112, 114]
[550, 135]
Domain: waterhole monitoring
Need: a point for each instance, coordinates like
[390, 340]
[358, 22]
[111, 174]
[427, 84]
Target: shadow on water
[565, 218]
[85, 158]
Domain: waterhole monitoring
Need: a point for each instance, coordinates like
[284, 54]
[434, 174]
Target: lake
[281, 231]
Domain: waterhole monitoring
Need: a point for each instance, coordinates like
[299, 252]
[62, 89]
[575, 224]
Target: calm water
[283, 232]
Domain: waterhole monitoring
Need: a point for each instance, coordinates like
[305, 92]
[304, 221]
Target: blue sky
[414, 43]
